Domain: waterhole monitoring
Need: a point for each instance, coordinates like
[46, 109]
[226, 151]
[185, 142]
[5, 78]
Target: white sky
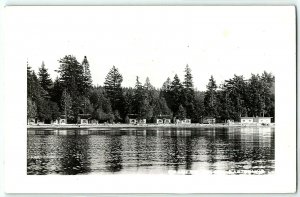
[153, 41]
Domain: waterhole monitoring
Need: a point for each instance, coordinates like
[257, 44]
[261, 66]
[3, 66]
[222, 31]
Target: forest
[73, 94]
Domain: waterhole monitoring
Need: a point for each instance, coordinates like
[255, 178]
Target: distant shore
[95, 126]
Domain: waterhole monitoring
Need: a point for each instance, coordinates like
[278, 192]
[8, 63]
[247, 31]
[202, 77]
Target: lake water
[246, 150]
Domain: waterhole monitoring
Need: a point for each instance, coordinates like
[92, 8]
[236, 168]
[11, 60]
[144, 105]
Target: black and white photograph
[158, 91]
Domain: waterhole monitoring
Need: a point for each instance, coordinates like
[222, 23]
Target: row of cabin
[137, 121]
[159, 121]
[163, 121]
[244, 120]
[184, 121]
[256, 120]
[207, 120]
[83, 119]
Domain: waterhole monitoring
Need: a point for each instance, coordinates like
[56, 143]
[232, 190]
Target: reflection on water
[152, 151]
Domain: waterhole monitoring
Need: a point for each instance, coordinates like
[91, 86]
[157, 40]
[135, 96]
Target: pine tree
[37, 97]
[210, 99]
[139, 97]
[189, 94]
[72, 76]
[72, 79]
[236, 96]
[255, 102]
[112, 85]
[34, 89]
[224, 106]
[176, 92]
[151, 93]
[267, 81]
[44, 78]
[188, 79]
[166, 92]
[261, 97]
[87, 73]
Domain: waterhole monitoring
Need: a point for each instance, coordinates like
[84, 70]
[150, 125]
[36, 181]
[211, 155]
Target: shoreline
[95, 126]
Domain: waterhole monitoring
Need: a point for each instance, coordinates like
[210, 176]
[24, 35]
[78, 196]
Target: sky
[154, 42]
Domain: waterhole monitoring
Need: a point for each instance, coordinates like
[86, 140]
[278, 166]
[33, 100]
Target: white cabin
[159, 121]
[84, 121]
[63, 121]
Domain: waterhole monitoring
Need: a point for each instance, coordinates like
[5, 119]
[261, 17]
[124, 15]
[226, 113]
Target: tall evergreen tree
[150, 91]
[210, 99]
[261, 95]
[142, 104]
[236, 93]
[87, 73]
[267, 80]
[176, 91]
[255, 100]
[72, 76]
[189, 94]
[188, 79]
[44, 78]
[37, 98]
[34, 89]
[112, 85]
[166, 92]
[225, 107]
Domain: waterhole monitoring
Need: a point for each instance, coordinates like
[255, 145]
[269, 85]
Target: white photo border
[17, 180]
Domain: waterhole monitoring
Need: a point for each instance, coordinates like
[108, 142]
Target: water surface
[151, 151]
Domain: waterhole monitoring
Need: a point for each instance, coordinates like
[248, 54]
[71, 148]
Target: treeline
[72, 94]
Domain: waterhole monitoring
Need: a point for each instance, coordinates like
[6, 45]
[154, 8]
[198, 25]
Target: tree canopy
[72, 93]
